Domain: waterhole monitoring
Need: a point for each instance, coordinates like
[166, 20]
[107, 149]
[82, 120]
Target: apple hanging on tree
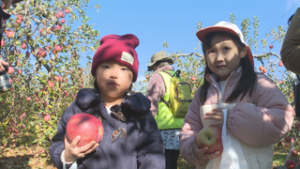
[2, 43]
[10, 33]
[290, 164]
[67, 11]
[58, 48]
[23, 46]
[294, 153]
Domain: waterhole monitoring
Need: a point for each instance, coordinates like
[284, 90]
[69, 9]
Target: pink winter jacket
[256, 126]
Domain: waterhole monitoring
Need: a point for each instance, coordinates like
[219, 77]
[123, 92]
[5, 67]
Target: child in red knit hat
[131, 138]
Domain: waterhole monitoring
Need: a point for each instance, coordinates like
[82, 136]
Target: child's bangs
[206, 44]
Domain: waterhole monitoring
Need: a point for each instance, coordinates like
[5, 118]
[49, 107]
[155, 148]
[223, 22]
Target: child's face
[223, 57]
[113, 79]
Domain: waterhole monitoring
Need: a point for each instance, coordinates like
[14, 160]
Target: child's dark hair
[248, 78]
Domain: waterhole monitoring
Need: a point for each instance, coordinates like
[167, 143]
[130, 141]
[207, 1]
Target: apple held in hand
[85, 125]
[210, 137]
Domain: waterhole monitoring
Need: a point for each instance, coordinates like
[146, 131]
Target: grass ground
[31, 158]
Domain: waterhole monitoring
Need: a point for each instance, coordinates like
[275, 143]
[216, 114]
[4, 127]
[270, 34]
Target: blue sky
[174, 21]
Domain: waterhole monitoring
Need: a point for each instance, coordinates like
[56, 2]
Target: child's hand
[200, 153]
[215, 114]
[72, 152]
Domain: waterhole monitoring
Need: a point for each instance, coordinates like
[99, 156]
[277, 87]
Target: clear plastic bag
[232, 156]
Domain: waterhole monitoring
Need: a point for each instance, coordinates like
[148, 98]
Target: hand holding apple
[201, 154]
[217, 115]
[210, 137]
[72, 152]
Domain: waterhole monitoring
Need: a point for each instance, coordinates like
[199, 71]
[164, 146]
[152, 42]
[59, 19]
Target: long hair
[248, 78]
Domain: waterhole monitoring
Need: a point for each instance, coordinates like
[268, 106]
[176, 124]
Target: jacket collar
[167, 67]
[233, 76]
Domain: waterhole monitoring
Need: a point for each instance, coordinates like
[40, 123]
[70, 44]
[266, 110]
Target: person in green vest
[157, 93]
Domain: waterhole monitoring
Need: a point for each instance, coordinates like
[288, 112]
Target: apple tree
[44, 42]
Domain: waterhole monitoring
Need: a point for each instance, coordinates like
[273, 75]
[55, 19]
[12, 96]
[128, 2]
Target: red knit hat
[120, 49]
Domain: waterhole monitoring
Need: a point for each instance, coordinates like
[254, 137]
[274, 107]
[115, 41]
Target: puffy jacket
[257, 127]
[142, 148]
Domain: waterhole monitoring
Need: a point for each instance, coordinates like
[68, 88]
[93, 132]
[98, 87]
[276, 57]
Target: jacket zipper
[221, 92]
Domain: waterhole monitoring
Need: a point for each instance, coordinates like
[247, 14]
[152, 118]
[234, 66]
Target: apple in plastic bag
[210, 137]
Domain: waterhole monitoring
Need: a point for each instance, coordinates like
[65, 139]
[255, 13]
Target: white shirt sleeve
[62, 158]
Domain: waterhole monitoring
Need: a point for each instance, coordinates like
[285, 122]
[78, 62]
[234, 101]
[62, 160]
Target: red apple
[287, 139]
[2, 43]
[211, 138]
[193, 78]
[41, 53]
[294, 153]
[57, 27]
[54, 51]
[23, 116]
[280, 64]
[58, 48]
[264, 71]
[297, 126]
[147, 77]
[19, 71]
[67, 11]
[10, 33]
[28, 98]
[62, 15]
[66, 93]
[290, 164]
[57, 16]
[271, 46]
[46, 118]
[261, 68]
[79, 124]
[18, 21]
[57, 78]
[50, 84]
[23, 46]
[36, 99]
[10, 70]
[62, 21]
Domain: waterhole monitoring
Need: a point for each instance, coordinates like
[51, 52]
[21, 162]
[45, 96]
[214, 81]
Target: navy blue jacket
[141, 148]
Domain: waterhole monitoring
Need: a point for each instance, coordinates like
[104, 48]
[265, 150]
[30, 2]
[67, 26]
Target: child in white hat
[258, 113]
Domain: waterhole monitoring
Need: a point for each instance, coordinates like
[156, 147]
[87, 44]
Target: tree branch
[258, 56]
[266, 54]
